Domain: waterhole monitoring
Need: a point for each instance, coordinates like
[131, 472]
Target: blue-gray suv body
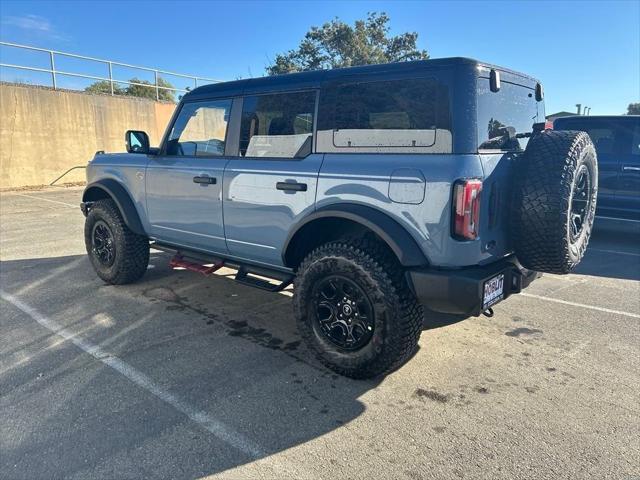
[377, 190]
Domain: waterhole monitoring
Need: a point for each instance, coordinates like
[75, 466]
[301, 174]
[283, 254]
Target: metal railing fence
[109, 64]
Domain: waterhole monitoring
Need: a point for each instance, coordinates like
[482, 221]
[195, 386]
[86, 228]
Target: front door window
[200, 129]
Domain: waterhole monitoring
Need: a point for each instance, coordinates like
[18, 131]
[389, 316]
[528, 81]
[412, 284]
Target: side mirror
[137, 141]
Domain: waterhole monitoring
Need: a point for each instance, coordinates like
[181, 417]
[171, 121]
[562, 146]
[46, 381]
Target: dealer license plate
[493, 291]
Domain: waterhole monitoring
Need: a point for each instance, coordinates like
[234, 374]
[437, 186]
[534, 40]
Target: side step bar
[245, 275]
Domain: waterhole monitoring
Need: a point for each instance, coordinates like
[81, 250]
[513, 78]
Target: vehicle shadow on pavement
[613, 252]
[434, 320]
[227, 351]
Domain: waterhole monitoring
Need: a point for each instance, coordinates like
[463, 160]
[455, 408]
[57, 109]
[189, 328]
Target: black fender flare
[121, 198]
[389, 230]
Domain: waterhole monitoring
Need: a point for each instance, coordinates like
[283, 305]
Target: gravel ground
[181, 376]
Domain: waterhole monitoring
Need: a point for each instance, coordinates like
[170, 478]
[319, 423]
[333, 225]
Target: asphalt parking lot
[182, 376]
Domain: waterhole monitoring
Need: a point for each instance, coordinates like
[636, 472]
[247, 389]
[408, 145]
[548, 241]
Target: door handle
[291, 186]
[205, 180]
[630, 169]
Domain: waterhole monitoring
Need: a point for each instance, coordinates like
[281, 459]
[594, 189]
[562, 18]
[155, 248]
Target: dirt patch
[516, 332]
[431, 395]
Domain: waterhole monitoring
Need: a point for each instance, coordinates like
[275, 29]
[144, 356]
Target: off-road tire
[397, 313]
[131, 250]
[545, 183]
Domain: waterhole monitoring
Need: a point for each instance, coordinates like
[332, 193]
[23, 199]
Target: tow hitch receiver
[178, 261]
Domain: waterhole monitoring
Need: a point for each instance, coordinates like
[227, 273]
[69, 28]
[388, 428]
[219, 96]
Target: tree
[104, 86]
[633, 109]
[150, 91]
[337, 44]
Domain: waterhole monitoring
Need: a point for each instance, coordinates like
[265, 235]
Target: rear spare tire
[556, 187]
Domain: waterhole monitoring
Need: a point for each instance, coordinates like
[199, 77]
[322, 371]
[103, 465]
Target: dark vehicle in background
[617, 142]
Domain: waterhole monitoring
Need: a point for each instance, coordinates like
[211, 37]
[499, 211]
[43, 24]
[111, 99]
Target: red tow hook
[178, 261]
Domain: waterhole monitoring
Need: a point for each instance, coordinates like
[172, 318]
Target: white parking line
[48, 200]
[582, 305]
[202, 418]
[613, 251]
[618, 219]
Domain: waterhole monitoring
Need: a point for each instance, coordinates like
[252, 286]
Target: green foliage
[337, 44]
[633, 109]
[104, 86]
[150, 91]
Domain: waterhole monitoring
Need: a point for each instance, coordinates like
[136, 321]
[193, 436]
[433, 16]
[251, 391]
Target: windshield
[503, 114]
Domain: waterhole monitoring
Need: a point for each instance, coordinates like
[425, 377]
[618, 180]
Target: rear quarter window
[392, 116]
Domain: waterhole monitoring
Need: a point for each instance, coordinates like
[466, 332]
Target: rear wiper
[536, 128]
[509, 133]
[504, 135]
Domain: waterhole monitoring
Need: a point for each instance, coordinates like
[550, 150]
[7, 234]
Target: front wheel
[355, 310]
[117, 254]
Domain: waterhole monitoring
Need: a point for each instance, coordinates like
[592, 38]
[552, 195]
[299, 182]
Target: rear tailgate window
[512, 106]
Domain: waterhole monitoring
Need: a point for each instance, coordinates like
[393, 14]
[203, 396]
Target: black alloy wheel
[343, 312]
[581, 202]
[103, 244]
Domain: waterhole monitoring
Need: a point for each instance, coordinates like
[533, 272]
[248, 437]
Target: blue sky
[583, 51]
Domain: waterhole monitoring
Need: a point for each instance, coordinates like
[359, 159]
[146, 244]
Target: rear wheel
[117, 254]
[354, 308]
[555, 201]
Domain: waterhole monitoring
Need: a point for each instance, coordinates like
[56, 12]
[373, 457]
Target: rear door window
[409, 115]
[279, 125]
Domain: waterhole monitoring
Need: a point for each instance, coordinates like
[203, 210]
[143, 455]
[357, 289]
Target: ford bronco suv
[378, 191]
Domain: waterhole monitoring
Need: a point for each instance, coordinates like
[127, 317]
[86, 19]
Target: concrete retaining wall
[44, 132]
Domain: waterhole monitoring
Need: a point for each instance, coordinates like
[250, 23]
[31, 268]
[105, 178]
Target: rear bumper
[461, 291]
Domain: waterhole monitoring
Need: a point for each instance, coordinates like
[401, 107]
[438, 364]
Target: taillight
[548, 125]
[466, 208]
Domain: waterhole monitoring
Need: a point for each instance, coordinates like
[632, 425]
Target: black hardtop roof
[314, 78]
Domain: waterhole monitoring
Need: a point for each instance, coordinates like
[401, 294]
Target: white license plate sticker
[493, 291]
